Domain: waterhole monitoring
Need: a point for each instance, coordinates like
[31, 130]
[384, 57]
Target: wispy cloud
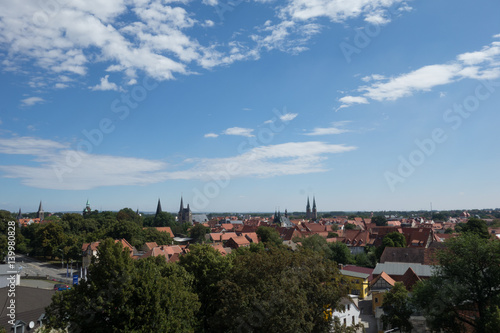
[87, 171]
[30, 101]
[239, 131]
[211, 135]
[288, 117]
[483, 64]
[334, 129]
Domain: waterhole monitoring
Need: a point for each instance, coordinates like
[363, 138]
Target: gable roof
[165, 229]
[410, 278]
[384, 276]
[360, 269]
[409, 255]
[400, 268]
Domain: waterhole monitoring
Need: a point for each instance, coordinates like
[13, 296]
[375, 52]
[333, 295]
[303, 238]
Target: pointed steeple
[87, 204]
[40, 213]
[182, 205]
[308, 209]
[20, 215]
[286, 213]
[158, 208]
[314, 211]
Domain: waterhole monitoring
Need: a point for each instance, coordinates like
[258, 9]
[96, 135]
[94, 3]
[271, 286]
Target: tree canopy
[122, 295]
[464, 290]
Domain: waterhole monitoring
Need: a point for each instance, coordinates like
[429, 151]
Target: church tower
[314, 211]
[40, 213]
[158, 208]
[308, 210]
[87, 209]
[185, 215]
[20, 215]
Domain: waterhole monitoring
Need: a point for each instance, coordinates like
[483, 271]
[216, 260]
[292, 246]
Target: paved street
[366, 315]
[32, 267]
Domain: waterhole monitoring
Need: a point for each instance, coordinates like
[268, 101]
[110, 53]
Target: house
[29, 310]
[236, 242]
[356, 240]
[379, 286]
[359, 282]
[396, 270]
[148, 246]
[416, 255]
[170, 252]
[349, 312]
[89, 250]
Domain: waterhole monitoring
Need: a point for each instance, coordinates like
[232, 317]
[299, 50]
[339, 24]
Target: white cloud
[483, 64]
[340, 11]
[288, 116]
[290, 158]
[105, 85]
[155, 38]
[58, 167]
[210, 2]
[239, 131]
[29, 146]
[30, 101]
[496, 36]
[328, 130]
[211, 135]
[61, 85]
[131, 82]
[208, 23]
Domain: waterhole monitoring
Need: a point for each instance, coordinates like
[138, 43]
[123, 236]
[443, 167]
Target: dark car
[59, 287]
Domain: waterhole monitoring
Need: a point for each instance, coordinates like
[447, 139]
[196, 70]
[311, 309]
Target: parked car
[59, 287]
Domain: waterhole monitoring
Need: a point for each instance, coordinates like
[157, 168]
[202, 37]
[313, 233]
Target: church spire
[308, 209]
[158, 208]
[182, 205]
[40, 213]
[314, 211]
[20, 215]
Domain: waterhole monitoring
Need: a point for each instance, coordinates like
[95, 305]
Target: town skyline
[248, 106]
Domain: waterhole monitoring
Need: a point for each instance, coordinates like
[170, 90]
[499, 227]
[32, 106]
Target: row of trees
[63, 236]
[259, 289]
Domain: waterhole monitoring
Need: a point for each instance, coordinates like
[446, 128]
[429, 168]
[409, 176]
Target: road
[33, 267]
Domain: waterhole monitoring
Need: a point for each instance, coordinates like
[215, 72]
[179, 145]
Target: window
[348, 307]
[345, 322]
[353, 320]
[376, 300]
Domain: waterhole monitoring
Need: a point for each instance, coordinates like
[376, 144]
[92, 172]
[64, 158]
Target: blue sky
[249, 105]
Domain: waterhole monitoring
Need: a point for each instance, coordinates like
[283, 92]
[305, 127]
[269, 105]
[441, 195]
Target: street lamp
[62, 258]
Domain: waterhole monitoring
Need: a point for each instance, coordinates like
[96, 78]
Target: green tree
[122, 295]
[269, 236]
[49, 238]
[464, 287]
[340, 253]
[198, 232]
[397, 309]
[349, 226]
[477, 226]
[393, 239]
[127, 214]
[208, 267]
[379, 220]
[278, 291]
